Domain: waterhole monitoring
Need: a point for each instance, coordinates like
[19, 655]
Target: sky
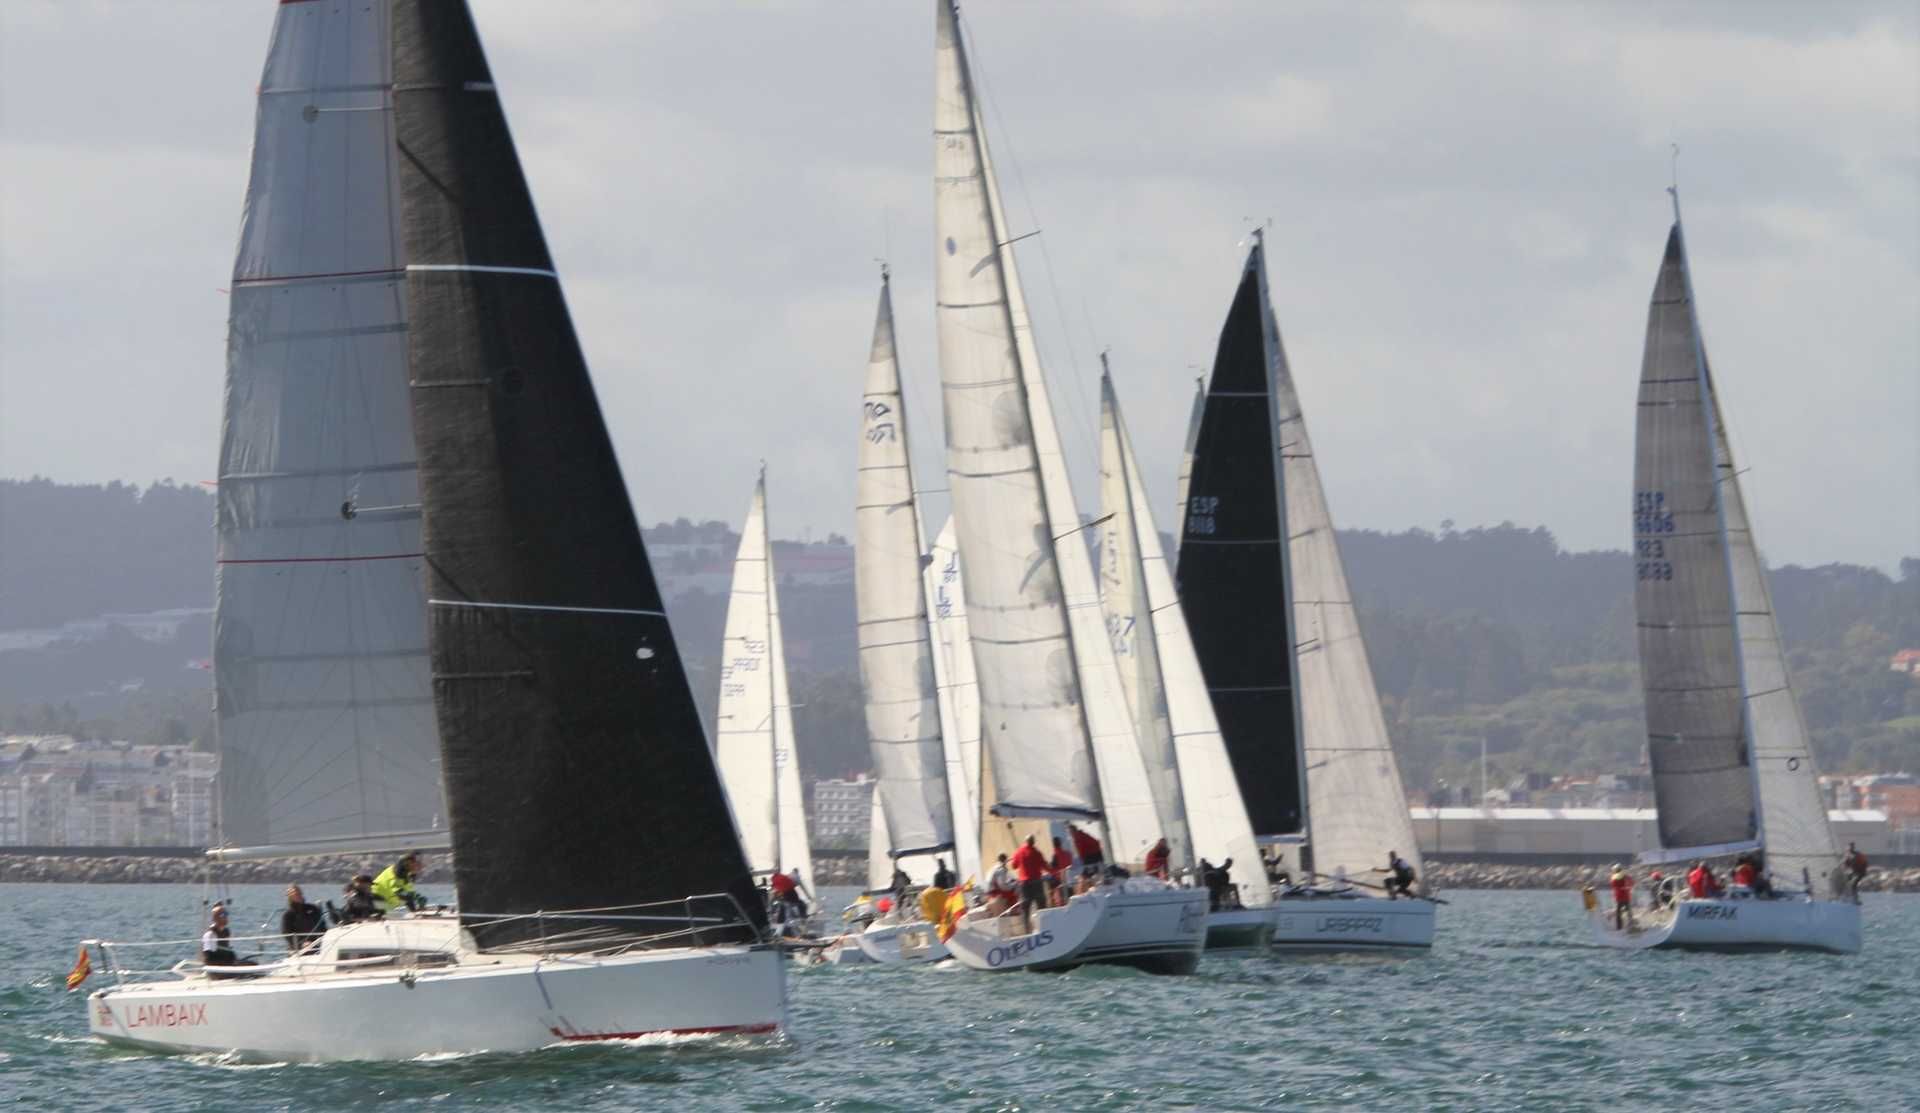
[1467, 205]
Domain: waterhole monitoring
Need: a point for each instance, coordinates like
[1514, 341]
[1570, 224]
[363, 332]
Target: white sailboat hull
[1142, 923]
[1237, 928]
[893, 944]
[1336, 923]
[1738, 924]
[482, 1002]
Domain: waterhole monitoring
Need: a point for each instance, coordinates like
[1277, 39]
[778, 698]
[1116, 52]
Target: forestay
[324, 698]
[577, 772]
[754, 740]
[1683, 599]
[1214, 814]
[896, 649]
[959, 697]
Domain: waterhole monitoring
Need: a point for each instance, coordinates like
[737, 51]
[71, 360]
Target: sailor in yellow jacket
[393, 889]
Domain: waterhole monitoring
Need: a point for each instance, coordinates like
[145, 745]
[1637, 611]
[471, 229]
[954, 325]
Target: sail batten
[577, 771]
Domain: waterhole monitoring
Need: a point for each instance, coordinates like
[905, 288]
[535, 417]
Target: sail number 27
[1651, 522]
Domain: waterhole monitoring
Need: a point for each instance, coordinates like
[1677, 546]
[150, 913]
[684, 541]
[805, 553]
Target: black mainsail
[577, 771]
[1232, 573]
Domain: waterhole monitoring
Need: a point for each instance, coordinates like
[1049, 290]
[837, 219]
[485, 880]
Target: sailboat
[1058, 743]
[914, 805]
[1732, 769]
[1265, 597]
[754, 740]
[1204, 814]
[562, 708]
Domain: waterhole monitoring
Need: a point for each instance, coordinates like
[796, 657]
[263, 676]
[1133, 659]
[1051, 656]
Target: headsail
[1356, 804]
[1684, 601]
[754, 726]
[959, 698]
[1213, 813]
[324, 696]
[1234, 586]
[577, 771]
[1185, 480]
[1130, 622]
[896, 647]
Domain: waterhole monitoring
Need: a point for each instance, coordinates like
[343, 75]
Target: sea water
[1513, 1010]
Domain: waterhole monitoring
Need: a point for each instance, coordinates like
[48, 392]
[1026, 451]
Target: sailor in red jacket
[1031, 867]
[1622, 883]
[1057, 868]
[1087, 849]
[1157, 856]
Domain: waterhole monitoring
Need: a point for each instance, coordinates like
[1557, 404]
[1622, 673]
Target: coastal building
[60, 791]
[842, 811]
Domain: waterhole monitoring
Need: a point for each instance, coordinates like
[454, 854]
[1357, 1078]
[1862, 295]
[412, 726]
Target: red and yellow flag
[82, 966]
[956, 908]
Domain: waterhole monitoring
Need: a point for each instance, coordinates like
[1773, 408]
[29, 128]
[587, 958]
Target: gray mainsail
[1683, 597]
[324, 698]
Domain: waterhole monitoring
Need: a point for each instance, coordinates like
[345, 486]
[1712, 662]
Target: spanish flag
[956, 908]
[82, 966]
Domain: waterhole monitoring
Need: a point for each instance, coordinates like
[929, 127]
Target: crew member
[301, 923]
[899, 886]
[1057, 868]
[1622, 883]
[1157, 855]
[1001, 888]
[1088, 850]
[216, 946]
[943, 878]
[1399, 876]
[1744, 873]
[360, 905]
[393, 889]
[1220, 890]
[786, 894]
[1856, 864]
[1031, 867]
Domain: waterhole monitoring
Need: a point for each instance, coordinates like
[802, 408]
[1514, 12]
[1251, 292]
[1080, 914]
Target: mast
[566, 723]
[896, 651]
[324, 699]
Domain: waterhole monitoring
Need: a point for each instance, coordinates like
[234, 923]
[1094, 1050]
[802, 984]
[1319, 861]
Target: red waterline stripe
[323, 274]
[747, 1029]
[325, 560]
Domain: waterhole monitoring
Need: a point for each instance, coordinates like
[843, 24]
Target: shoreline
[323, 874]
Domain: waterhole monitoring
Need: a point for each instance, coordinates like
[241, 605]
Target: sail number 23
[1651, 522]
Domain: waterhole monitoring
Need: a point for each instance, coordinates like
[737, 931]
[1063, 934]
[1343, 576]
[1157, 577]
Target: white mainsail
[896, 651]
[324, 699]
[1130, 625]
[754, 728]
[1053, 714]
[1212, 810]
[959, 698]
[1356, 806]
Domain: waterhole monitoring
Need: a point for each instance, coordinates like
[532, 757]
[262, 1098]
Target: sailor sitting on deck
[1701, 884]
[358, 896]
[1399, 876]
[393, 889]
[301, 923]
[216, 948]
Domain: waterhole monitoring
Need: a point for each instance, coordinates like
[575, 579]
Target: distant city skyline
[1467, 205]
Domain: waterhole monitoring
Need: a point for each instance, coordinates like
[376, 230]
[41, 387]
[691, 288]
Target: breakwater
[324, 874]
